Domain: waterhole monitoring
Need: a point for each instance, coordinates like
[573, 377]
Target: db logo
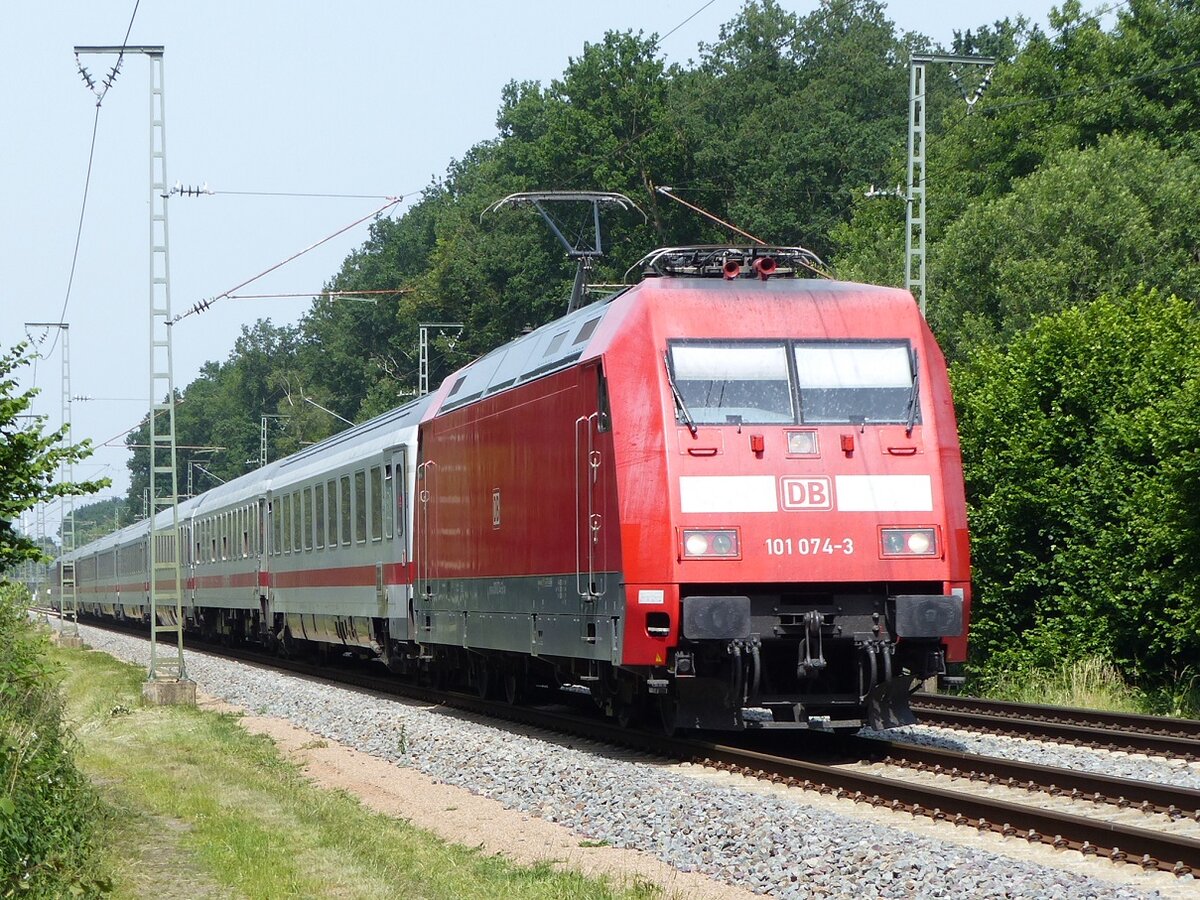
[814, 492]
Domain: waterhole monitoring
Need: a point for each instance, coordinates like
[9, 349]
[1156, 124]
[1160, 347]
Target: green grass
[201, 808]
[1090, 683]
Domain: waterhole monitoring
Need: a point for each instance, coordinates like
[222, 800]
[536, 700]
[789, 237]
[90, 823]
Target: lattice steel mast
[67, 597]
[164, 547]
[914, 232]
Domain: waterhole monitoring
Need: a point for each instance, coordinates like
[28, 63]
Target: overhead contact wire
[205, 304]
[87, 184]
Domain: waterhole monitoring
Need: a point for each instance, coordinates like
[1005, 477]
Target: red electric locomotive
[728, 493]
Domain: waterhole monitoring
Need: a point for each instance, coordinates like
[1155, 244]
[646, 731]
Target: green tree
[799, 114]
[94, 520]
[1102, 219]
[1083, 479]
[29, 461]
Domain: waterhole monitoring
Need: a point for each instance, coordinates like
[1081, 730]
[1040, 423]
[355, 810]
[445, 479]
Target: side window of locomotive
[731, 382]
[377, 504]
[851, 383]
[345, 509]
[360, 507]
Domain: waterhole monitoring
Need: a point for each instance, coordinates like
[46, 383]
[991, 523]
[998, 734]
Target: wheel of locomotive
[483, 673]
[515, 683]
[628, 711]
[668, 712]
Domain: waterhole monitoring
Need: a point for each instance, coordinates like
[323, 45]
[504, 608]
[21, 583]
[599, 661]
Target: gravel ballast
[766, 843]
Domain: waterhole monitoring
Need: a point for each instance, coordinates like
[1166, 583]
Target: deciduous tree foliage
[1081, 443]
[29, 462]
[1103, 219]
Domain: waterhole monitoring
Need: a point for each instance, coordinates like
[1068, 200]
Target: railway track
[1150, 847]
[1153, 735]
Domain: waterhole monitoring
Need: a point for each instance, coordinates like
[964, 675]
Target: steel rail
[1161, 736]
[1145, 796]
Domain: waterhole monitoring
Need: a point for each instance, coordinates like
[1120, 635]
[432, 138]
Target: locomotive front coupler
[809, 664]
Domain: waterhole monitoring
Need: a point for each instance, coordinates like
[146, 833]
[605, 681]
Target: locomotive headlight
[920, 542]
[711, 544]
[908, 542]
[802, 443]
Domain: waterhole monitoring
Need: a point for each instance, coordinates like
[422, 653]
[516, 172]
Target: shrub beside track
[48, 810]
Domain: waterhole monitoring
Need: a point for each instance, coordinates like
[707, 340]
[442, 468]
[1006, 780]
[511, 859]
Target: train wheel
[668, 712]
[484, 675]
[514, 684]
[628, 712]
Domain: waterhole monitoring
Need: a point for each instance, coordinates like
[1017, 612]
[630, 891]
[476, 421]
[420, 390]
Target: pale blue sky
[355, 97]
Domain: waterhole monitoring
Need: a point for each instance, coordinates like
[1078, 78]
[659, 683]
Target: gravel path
[772, 845]
[1117, 764]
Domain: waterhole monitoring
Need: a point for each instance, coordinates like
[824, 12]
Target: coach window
[331, 514]
[344, 509]
[287, 523]
[308, 518]
[360, 507]
[856, 382]
[245, 532]
[730, 383]
[319, 514]
[297, 523]
[276, 527]
[377, 504]
[213, 525]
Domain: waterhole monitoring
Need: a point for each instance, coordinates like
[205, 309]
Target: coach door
[396, 523]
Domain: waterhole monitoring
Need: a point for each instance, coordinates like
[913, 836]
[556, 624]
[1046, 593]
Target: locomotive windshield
[836, 382]
[841, 383]
[734, 382]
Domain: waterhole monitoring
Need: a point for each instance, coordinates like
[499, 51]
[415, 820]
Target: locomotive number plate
[808, 546]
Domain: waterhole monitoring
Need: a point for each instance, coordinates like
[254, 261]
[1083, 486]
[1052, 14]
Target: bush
[48, 809]
[1083, 488]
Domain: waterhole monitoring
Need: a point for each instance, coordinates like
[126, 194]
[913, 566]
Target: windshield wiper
[912, 396]
[687, 416]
